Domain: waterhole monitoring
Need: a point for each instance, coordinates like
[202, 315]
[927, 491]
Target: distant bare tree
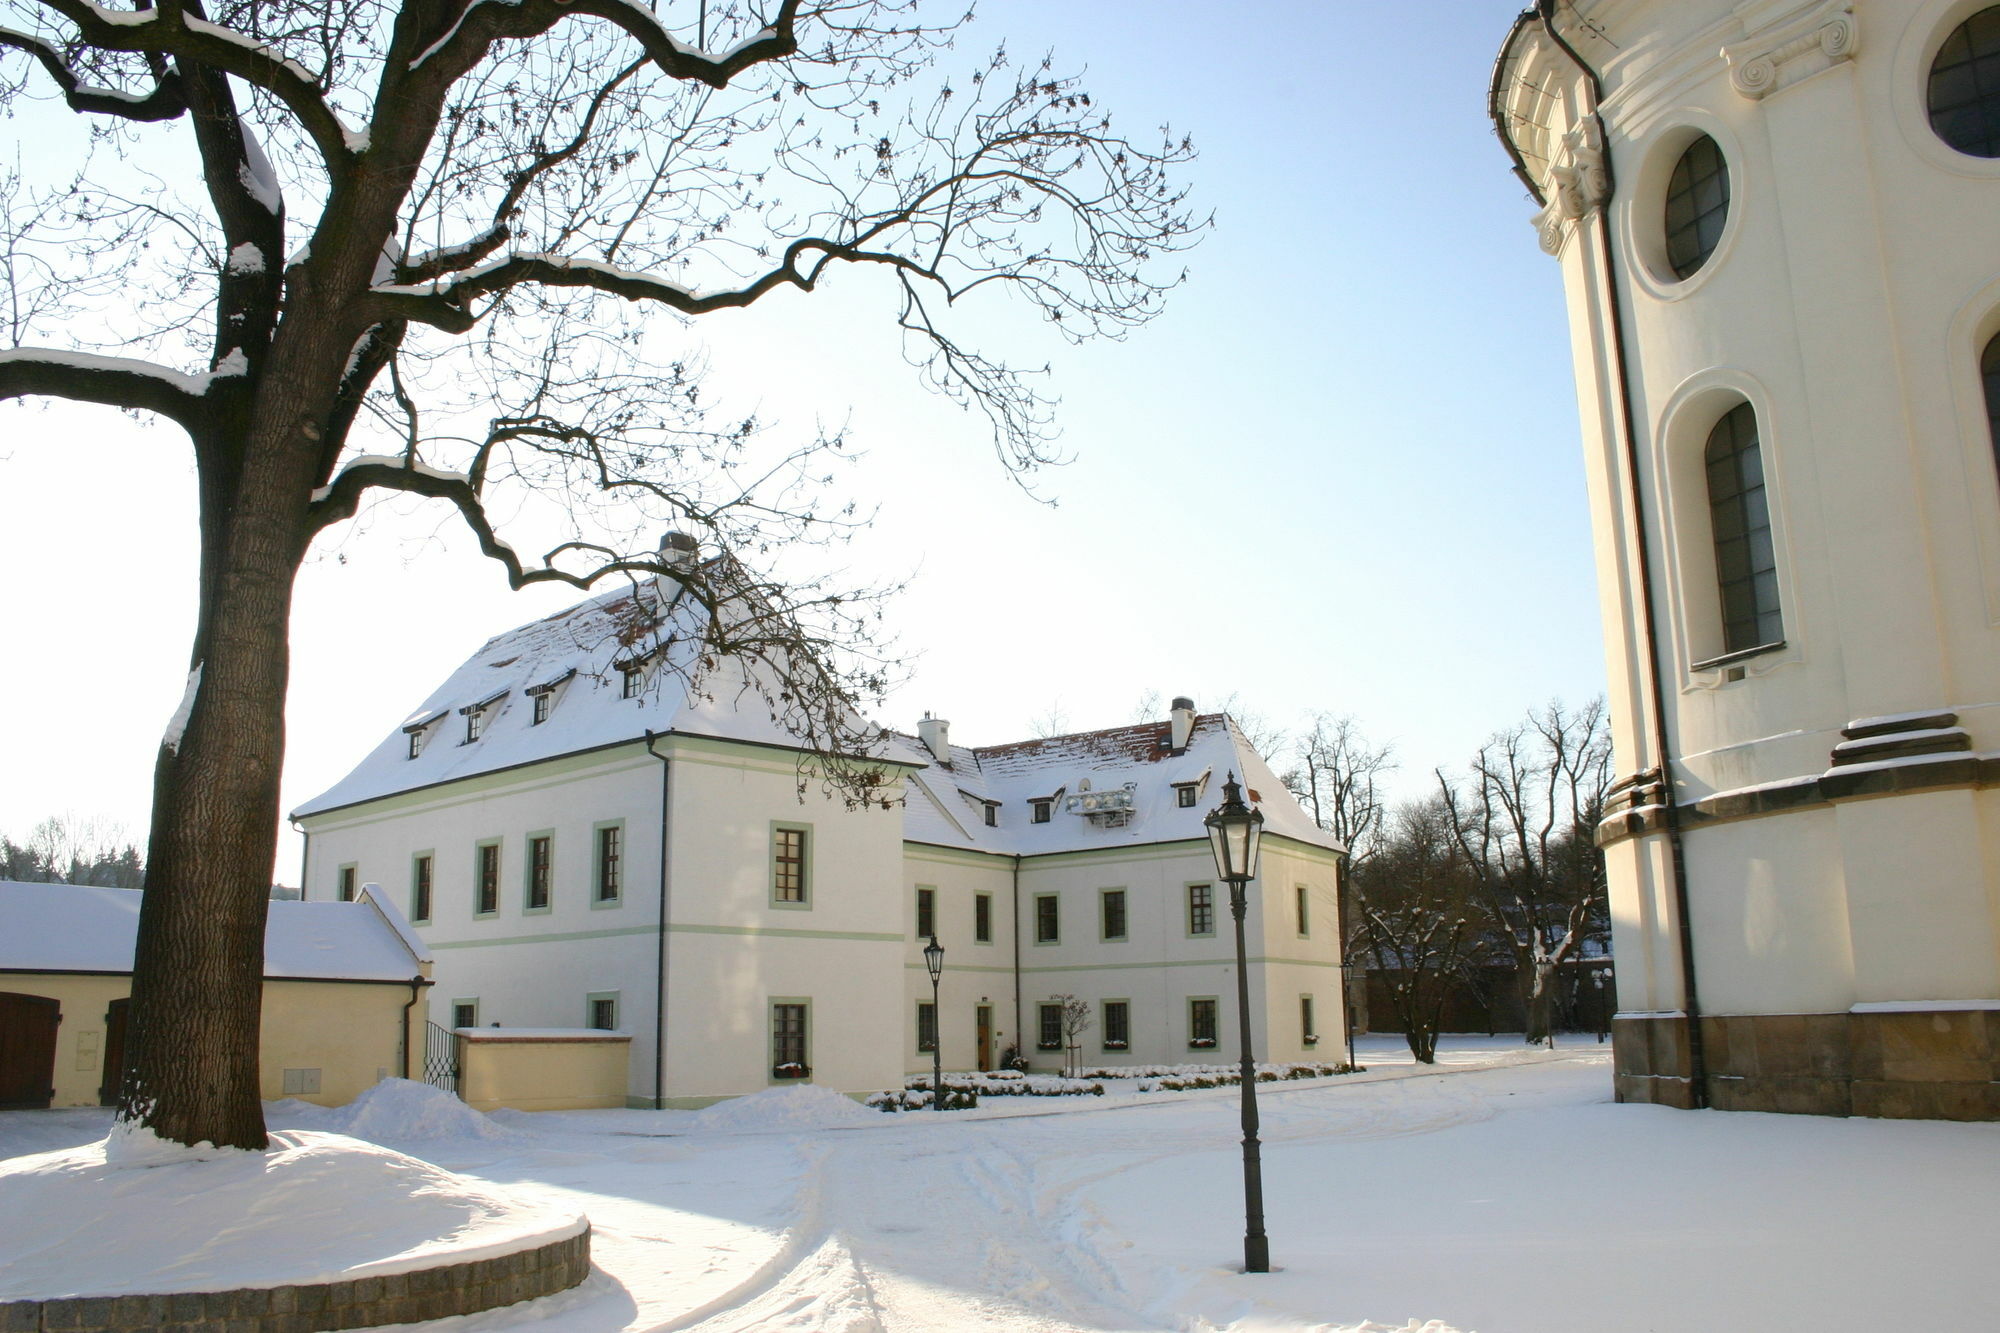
[1415, 921]
[1336, 775]
[1524, 821]
[1051, 721]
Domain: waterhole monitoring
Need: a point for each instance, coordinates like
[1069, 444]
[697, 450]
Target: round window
[1697, 206]
[1965, 86]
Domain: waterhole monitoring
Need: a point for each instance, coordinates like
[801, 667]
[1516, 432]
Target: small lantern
[1235, 835]
[934, 959]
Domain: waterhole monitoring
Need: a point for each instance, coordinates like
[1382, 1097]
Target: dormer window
[635, 678]
[1184, 795]
[477, 715]
[1039, 811]
[419, 731]
[992, 814]
[544, 696]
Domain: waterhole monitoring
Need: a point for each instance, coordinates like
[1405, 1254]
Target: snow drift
[314, 1207]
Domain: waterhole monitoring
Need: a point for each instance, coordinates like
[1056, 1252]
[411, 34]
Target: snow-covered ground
[1501, 1191]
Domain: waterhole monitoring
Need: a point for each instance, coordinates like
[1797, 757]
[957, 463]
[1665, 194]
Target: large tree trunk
[197, 979]
[1539, 1000]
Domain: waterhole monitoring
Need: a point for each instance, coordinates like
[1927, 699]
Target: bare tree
[1336, 775]
[1415, 920]
[1077, 1019]
[440, 248]
[1524, 822]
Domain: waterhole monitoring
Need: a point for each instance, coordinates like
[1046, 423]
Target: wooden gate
[114, 1051]
[27, 1050]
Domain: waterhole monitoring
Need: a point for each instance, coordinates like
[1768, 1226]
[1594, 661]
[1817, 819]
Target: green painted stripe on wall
[558, 937]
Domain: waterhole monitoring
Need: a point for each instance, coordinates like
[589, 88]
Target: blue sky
[1341, 472]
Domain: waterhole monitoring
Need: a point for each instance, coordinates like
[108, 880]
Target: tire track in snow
[987, 1224]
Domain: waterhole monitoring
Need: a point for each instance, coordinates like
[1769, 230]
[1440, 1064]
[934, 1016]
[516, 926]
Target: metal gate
[441, 1058]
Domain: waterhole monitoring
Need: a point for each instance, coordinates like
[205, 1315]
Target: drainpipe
[1020, 1033]
[1648, 615]
[416, 991]
[305, 856]
[660, 933]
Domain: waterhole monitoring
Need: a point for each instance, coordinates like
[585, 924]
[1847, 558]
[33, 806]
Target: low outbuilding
[343, 995]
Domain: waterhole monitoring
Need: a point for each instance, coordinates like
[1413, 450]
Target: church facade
[1775, 222]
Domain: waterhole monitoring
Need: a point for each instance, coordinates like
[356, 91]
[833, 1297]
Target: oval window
[1965, 86]
[1697, 206]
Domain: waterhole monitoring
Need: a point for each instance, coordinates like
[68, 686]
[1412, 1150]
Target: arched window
[1746, 563]
[1697, 206]
[1964, 91]
[1989, 370]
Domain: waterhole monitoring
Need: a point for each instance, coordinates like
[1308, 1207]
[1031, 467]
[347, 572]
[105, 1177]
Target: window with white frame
[1049, 1027]
[541, 865]
[610, 877]
[926, 911]
[1117, 1025]
[927, 1032]
[1048, 919]
[1201, 1022]
[1201, 909]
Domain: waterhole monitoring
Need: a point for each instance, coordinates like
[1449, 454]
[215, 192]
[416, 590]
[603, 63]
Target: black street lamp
[1235, 832]
[934, 960]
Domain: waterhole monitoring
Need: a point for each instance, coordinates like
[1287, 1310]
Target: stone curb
[397, 1298]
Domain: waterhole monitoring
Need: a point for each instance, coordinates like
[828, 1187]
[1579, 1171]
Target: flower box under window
[1048, 1045]
[1312, 1039]
[1116, 1045]
[1202, 1043]
[791, 1069]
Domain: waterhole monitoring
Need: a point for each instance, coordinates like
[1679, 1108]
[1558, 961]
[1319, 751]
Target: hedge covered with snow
[1180, 1078]
[962, 1091]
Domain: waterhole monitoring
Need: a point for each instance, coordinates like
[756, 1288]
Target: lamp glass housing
[934, 958]
[1235, 835]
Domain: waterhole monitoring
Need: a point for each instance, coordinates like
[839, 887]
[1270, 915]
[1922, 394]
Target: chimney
[936, 735]
[678, 551]
[1182, 722]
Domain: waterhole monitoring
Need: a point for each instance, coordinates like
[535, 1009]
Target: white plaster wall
[732, 950]
[1855, 286]
[975, 974]
[525, 968]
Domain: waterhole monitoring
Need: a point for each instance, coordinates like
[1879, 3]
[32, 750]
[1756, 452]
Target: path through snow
[1502, 1191]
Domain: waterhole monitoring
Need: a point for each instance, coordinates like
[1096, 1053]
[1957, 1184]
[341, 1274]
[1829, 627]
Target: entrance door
[27, 1051]
[114, 1052]
[985, 1048]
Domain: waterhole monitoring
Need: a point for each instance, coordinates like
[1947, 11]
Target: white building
[1776, 222]
[583, 840]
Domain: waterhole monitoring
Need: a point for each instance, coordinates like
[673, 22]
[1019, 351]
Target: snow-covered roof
[81, 928]
[944, 804]
[578, 661]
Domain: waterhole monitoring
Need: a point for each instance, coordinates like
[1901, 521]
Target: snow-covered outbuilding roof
[602, 673]
[81, 928]
[1114, 788]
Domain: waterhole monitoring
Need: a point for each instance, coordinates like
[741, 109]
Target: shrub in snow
[964, 1090]
[918, 1099]
[1180, 1078]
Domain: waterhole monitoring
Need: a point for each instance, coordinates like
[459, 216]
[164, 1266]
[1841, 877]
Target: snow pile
[313, 1208]
[801, 1106]
[397, 1110]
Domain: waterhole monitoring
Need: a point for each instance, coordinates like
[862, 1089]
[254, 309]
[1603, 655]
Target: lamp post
[934, 960]
[1235, 832]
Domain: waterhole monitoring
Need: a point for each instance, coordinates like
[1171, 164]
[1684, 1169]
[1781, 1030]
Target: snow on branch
[172, 32]
[166, 101]
[115, 381]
